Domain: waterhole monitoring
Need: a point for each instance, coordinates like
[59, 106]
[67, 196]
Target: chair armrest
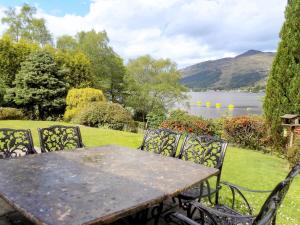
[244, 188]
[235, 189]
[178, 218]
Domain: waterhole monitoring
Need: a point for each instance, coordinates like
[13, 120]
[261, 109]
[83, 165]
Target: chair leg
[159, 211]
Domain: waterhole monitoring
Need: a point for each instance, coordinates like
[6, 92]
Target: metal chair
[224, 215]
[208, 151]
[15, 143]
[161, 141]
[56, 138]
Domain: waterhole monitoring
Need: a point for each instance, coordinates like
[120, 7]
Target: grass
[244, 167]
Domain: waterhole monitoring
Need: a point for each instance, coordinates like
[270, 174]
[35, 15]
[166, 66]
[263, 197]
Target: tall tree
[153, 85]
[66, 43]
[107, 67]
[76, 67]
[24, 25]
[40, 88]
[282, 92]
[11, 56]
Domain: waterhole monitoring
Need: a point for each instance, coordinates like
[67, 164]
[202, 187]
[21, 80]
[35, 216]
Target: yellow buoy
[230, 106]
[218, 105]
[199, 103]
[208, 104]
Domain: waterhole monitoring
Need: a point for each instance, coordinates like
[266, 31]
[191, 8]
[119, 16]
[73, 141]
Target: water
[214, 104]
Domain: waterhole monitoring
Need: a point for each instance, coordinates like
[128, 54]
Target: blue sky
[54, 7]
[186, 31]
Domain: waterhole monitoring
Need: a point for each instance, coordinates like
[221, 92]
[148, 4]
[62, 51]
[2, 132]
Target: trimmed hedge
[105, 114]
[11, 114]
[181, 121]
[247, 131]
[79, 98]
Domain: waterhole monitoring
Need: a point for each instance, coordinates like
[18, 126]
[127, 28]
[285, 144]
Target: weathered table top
[95, 185]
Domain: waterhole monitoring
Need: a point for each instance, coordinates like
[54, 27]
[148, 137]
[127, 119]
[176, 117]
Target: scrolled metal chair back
[56, 138]
[161, 141]
[267, 214]
[15, 143]
[204, 149]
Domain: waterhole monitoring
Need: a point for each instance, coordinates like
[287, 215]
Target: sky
[186, 31]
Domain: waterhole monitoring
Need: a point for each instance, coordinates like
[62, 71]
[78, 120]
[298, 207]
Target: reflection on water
[214, 104]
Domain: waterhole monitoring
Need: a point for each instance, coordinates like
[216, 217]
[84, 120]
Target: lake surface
[214, 104]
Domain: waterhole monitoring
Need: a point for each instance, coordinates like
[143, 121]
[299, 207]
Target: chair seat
[225, 220]
[195, 193]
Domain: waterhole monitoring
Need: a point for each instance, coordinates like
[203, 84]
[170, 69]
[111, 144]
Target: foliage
[244, 167]
[11, 114]
[39, 87]
[11, 56]
[152, 85]
[106, 114]
[246, 131]
[106, 66]
[155, 118]
[293, 153]
[76, 67]
[24, 25]
[183, 122]
[77, 99]
[282, 92]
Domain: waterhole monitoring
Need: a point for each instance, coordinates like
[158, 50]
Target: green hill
[249, 69]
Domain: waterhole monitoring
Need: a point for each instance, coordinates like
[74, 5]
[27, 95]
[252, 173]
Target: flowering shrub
[247, 131]
[183, 122]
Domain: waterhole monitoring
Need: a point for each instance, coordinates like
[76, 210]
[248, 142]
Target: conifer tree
[39, 86]
[283, 85]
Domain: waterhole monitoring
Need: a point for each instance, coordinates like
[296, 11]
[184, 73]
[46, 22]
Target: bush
[247, 131]
[293, 153]
[105, 114]
[11, 114]
[183, 122]
[155, 118]
[77, 99]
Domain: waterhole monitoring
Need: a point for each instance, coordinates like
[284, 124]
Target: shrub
[293, 153]
[11, 114]
[183, 122]
[105, 114]
[155, 118]
[77, 99]
[247, 131]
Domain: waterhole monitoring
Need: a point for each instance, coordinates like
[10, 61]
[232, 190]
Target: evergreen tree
[39, 86]
[282, 91]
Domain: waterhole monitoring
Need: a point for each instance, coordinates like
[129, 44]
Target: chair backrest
[204, 149]
[161, 141]
[267, 214]
[56, 138]
[15, 143]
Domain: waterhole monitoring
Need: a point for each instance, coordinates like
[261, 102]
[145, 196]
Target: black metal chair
[161, 141]
[224, 215]
[56, 138]
[15, 143]
[208, 151]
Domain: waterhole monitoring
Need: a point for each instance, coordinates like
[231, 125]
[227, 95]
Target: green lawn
[244, 167]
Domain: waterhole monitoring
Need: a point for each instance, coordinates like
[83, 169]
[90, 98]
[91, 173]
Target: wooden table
[94, 185]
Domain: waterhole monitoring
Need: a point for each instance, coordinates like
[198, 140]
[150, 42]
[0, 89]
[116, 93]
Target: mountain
[249, 69]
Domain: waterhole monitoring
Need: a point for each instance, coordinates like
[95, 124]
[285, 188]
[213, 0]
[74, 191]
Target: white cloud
[187, 31]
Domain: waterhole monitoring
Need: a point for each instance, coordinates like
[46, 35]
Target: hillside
[249, 69]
